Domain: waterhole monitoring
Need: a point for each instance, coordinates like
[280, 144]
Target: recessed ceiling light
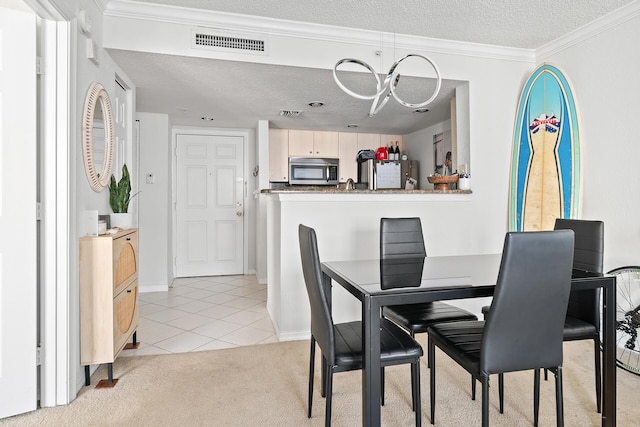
[421, 110]
[207, 119]
[316, 104]
[352, 125]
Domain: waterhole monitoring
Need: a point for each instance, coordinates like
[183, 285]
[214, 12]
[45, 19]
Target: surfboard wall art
[545, 167]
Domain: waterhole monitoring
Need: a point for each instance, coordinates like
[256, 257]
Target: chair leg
[323, 390]
[432, 375]
[416, 398]
[596, 349]
[327, 413]
[428, 344]
[559, 402]
[473, 388]
[382, 386]
[311, 366]
[501, 392]
[536, 396]
[484, 379]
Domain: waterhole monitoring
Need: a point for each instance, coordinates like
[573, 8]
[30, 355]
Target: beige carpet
[266, 385]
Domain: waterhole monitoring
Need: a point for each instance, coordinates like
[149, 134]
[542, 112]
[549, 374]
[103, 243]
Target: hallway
[203, 313]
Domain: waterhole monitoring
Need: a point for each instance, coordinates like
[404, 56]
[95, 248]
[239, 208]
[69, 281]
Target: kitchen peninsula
[347, 225]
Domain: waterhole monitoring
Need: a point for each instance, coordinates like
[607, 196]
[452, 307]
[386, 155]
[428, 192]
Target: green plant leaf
[120, 192]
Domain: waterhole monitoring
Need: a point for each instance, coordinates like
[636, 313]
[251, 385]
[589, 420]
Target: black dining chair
[403, 238]
[341, 344]
[583, 312]
[534, 278]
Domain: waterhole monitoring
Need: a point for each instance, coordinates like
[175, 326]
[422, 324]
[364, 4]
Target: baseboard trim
[152, 288]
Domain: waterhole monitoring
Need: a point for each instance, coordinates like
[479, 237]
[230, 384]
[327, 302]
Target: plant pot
[121, 220]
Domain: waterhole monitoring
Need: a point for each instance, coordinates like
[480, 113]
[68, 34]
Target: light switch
[150, 179]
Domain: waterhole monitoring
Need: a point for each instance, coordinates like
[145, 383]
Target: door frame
[57, 378]
[246, 135]
[55, 95]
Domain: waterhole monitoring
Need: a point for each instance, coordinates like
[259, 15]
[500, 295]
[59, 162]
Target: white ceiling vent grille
[227, 42]
[290, 113]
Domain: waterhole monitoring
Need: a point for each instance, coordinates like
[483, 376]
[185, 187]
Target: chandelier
[387, 88]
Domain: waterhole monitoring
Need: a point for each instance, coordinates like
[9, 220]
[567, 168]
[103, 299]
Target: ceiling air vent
[290, 113]
[222, 41]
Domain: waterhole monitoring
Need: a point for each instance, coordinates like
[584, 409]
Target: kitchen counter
[347, 223]
[330, 189]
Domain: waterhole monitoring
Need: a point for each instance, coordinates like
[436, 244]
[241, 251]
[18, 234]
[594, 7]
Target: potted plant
[119, 198]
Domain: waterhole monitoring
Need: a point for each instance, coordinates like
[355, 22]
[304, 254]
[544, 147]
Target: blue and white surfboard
[545, 167]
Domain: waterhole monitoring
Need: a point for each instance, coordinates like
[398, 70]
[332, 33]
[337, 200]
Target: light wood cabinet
[348, 150]
[279, 155]
[300, 143]
[108, 298]
[308, 143]
[326, 144]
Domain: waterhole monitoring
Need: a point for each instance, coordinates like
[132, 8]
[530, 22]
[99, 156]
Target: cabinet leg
[87, 376]
[110, 382]
[134, 344]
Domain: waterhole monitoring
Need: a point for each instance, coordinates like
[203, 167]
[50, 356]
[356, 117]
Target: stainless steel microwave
[313, 171]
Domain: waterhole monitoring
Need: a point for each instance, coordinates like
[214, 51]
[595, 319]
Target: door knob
[239, 213]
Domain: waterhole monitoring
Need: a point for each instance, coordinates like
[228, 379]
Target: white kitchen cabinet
[326, 144]
[278, 155]
[300, 143]
[308, 143]
[348, 150]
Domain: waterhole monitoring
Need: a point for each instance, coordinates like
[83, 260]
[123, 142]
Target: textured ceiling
[514, 23]
[187, 89]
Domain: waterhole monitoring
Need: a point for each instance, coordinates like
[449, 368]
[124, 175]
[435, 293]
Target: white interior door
[18, 267]
[210, 205]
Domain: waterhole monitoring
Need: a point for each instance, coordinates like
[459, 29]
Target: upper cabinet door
[325, 144]
[278, 155]
[300, 143]
[348, 153]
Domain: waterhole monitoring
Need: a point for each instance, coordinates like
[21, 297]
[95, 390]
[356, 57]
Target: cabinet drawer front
[125, 261]
[125, 316]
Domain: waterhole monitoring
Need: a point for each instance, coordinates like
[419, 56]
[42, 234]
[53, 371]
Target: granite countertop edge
[334, 190]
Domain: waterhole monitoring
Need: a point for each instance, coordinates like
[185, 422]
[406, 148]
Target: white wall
[495, 77]
[154, 203]
[83, 73]
[603, 70]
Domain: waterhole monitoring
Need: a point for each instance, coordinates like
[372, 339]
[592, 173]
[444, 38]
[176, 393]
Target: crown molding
[304, 30]
[592, 29]
[102, 4]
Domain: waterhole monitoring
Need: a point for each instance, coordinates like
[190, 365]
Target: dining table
[376, 283]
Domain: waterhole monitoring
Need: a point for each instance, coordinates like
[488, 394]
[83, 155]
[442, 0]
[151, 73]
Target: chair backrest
[588, 255]
[524, 327]
[321, 320]
[401, 238]
[588, 252]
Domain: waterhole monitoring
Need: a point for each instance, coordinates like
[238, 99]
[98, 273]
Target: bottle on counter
[397, 151]
[391, 151]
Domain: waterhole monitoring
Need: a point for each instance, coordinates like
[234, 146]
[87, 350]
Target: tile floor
[203, 313]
